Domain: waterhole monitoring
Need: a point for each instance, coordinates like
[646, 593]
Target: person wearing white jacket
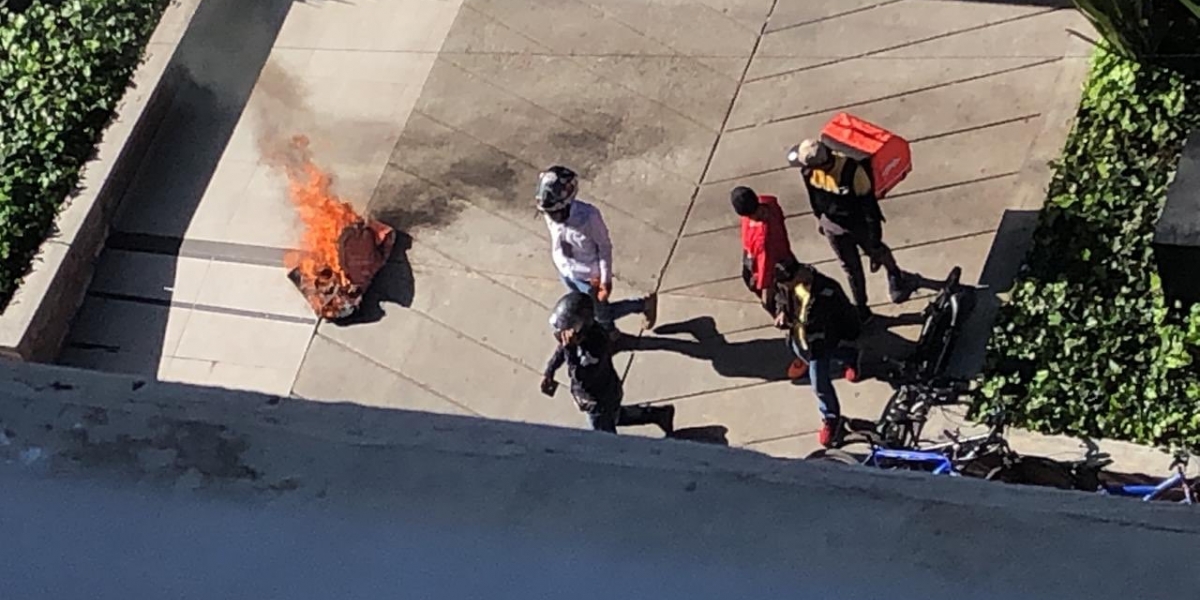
[582, 249]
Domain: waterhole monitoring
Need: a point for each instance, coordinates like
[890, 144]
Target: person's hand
[781, 321]
[603, 290]
[566, 336]
[549, 386]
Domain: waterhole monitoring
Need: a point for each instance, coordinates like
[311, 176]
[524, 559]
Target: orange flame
[324, 216]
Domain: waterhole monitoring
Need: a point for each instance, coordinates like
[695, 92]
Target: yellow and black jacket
[819, 316]
[842, 193]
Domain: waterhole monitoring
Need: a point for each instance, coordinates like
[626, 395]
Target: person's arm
[786, 242]
[816, 329]
[865, 192]
[598, 232]
[556, 361]
[764, 270]
[783, 305]
[804, 175]
[776, 247]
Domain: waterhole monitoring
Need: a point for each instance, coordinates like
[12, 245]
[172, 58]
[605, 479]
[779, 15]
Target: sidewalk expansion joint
[210, 308]
[909, 44]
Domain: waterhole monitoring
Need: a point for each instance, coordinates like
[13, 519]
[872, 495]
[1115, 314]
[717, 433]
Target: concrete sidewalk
[437, 115]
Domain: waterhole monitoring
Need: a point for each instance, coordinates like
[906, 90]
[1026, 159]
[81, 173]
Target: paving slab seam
[266, 256]
[647, 36]
[974, 128]
[482, 273]
[925, 295]
[178, 246]
[728, 18]
[832, 17]
[745, 175]
[210, 308]
[702, 393]
[589, 69]
[537, 232]
[553, 54]
[712, 152]
[826, 261]
[401, 375]
[778, 438]
[909, 44]
[477, 342]
[312, 335]
[890, 199]
[897, 95]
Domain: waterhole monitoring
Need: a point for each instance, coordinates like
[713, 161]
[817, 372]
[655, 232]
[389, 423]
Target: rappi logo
[892, 164]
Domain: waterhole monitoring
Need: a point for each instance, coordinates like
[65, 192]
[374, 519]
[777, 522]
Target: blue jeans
[820, 376]
[606, 312]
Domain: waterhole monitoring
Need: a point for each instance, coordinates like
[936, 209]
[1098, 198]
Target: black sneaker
[650, 313]
[666, 419]
[901, 288]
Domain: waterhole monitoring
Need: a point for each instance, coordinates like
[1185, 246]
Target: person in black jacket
[843, 200]
[586, 348]
[822, 326]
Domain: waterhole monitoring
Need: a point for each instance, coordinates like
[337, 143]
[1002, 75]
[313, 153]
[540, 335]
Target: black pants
[608, 416]
[846, 244]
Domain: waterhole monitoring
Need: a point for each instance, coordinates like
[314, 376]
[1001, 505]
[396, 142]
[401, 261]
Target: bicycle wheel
[834, 456]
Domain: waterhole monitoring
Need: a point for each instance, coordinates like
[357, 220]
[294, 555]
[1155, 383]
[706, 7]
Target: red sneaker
[825, 436]
[797, 370]
[851, 374]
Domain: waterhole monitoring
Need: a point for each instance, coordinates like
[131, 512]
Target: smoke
[282, 116]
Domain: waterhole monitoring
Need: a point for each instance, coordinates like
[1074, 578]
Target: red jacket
[766, 243]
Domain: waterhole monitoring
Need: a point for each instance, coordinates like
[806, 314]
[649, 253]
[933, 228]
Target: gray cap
[809, 153]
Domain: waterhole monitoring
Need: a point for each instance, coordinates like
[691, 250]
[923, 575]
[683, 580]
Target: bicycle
[985, 456]
[941, 324]
[1175, 488]
[894, 443]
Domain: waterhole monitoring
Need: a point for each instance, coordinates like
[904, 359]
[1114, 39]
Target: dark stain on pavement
[438, 168]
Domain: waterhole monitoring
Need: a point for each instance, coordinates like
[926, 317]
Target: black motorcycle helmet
[573, 312]
[556, 189]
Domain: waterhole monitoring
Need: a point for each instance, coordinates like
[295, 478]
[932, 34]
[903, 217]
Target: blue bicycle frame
[1152, 492]
[941, 464]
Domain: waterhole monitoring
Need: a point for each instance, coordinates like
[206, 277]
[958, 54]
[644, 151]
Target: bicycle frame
[1153, 492]
[942, 465]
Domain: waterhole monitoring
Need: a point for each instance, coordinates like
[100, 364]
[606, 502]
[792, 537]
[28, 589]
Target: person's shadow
[768, 358]
[765, 359]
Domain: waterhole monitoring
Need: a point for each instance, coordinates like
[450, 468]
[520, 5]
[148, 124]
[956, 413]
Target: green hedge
[1086, 346]
[64, 66]
[1160, 32]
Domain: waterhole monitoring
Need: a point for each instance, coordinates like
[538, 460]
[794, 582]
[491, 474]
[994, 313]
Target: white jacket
[581, 247]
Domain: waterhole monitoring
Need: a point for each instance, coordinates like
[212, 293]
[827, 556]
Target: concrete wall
[118, 488]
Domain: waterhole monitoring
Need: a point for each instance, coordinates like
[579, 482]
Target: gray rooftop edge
[108, 425]
[452, 493]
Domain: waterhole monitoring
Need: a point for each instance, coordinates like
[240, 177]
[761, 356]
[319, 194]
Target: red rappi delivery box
[887, 154]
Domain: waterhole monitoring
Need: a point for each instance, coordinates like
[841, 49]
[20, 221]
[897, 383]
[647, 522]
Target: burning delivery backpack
[886, 155]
